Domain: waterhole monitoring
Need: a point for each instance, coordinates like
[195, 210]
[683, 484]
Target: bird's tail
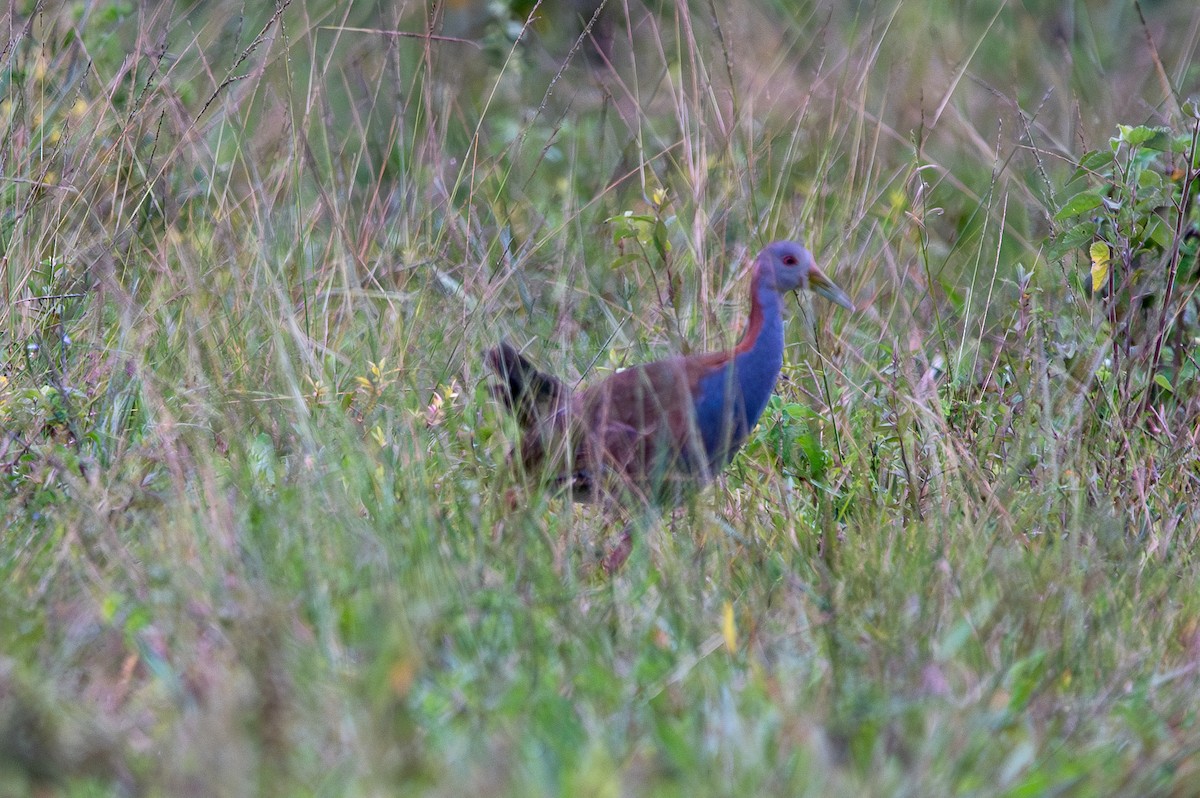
[530, 394]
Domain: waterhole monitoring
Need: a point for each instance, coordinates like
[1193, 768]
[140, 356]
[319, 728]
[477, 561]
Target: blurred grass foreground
[257, 532]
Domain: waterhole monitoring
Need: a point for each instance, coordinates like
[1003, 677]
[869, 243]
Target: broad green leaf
[1136, 136]
[797, 410]
[621, 233]
[818, 461]
[1162, 382]
[1080, 203]
[1150, 179]
[1071, 240]
[1096, 160]
[1158, 233]
[1162, 140]
[622, 260]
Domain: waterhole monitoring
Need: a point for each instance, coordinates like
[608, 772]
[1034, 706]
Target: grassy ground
[256, 532]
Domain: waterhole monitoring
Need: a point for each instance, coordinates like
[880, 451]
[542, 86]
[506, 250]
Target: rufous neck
[765, 311]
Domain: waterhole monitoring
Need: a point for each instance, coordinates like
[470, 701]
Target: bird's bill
[818, 282]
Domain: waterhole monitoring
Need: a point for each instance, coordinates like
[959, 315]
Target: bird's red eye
[789, 260]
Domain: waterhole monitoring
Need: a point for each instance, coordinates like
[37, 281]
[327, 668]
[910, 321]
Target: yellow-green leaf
[1100, 260]
[729, 628]
[1162, 382]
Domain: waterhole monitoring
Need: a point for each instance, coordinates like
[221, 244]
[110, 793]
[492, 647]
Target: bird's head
[788, 266]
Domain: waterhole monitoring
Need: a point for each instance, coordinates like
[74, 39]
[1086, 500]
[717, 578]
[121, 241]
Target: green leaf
[814, 453]
[1150, 179]
[1023, 678]
[1162, 140]
[1162, 382]
[623, 260]
[1096, 160]
[1080, 203]
[1158, 233]
[662, 241]
[1072, 239]
[797, 410]
[1136, 136]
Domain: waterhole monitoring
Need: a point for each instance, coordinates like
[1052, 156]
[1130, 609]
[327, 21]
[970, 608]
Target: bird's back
[654, 431]
[641, 431]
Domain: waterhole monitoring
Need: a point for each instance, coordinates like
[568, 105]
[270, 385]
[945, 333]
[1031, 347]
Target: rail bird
[650, 434]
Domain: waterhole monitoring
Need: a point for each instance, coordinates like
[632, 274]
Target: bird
[651, 434]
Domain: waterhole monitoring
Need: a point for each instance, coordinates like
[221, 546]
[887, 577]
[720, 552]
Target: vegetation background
[256, 531]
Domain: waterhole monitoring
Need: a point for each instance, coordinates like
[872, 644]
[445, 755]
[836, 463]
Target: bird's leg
[639, 516]
[613, 561]
[617, 510]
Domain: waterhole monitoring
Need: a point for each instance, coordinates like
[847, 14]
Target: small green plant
[1139, 222]
[790, 433]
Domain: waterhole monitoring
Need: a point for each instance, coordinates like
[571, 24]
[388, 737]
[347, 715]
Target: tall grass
[258, 531]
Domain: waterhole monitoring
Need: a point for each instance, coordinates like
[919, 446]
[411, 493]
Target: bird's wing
[643, 420]
[718, 403]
